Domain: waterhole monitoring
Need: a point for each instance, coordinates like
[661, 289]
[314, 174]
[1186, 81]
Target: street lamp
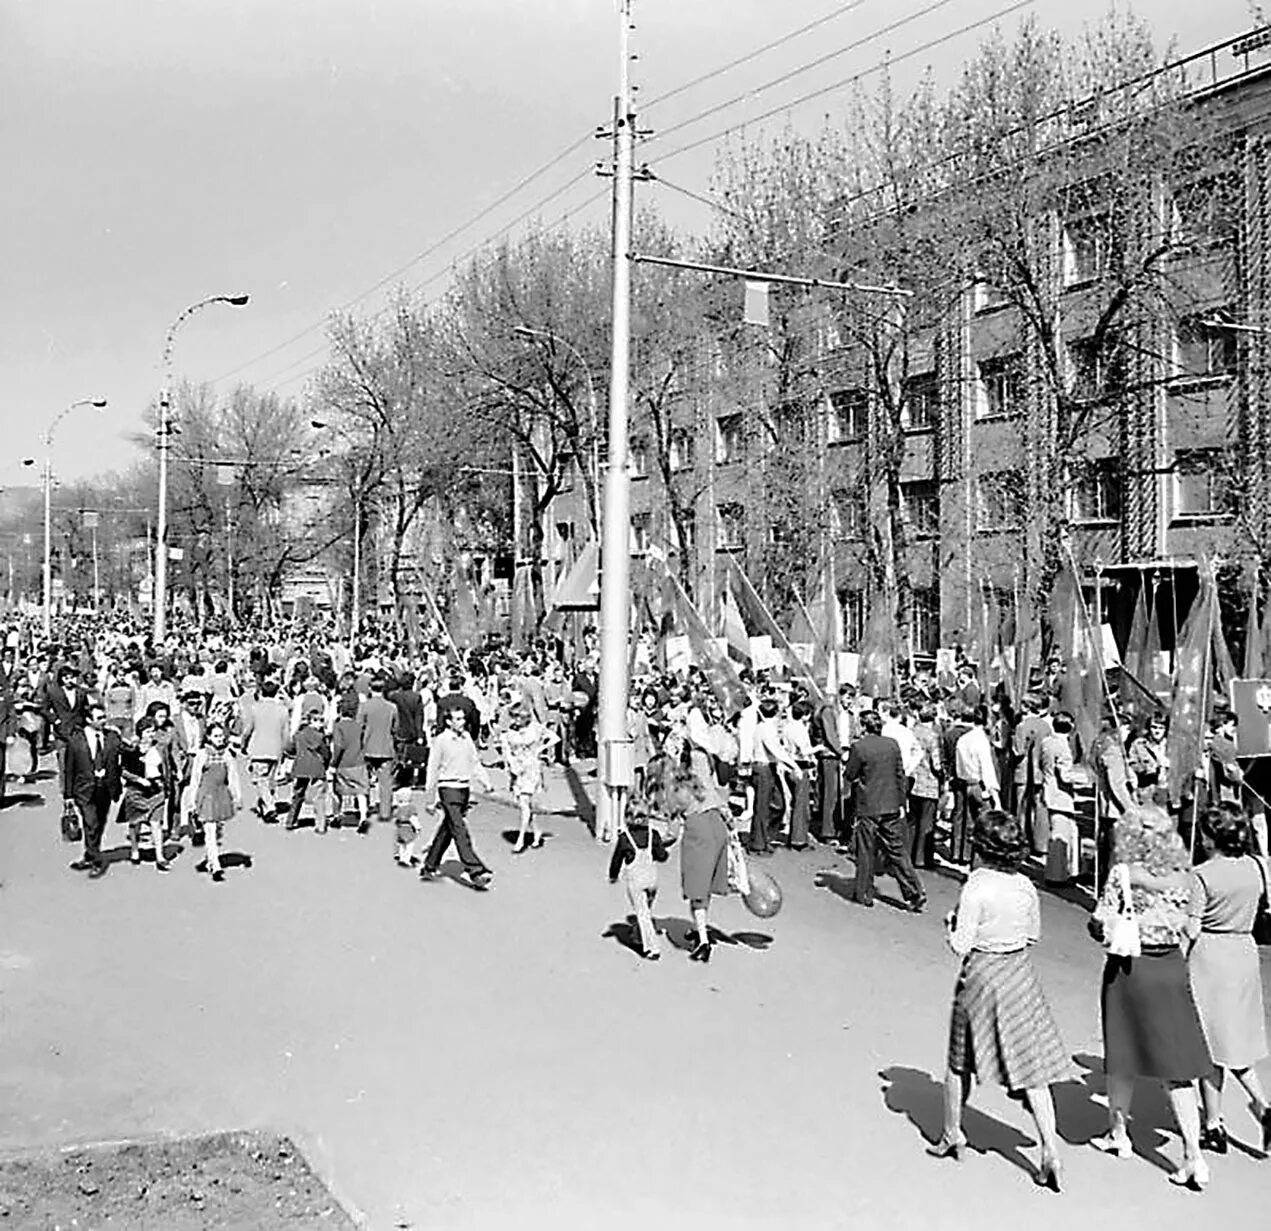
[524, 331]
[98, 403]
[160, 595]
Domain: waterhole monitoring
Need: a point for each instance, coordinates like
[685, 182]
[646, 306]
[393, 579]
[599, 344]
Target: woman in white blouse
[1001, 1027]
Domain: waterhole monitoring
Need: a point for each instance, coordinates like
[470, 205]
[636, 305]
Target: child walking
[524, 745]
[218, 792]
[311, 755]
[636, 854]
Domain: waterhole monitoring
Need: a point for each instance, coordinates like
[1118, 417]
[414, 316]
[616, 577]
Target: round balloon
[764, 898]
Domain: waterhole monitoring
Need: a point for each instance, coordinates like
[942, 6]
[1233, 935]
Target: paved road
[485, 1061]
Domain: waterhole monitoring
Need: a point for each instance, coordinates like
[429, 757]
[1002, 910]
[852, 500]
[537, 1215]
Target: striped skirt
[1002, 1029]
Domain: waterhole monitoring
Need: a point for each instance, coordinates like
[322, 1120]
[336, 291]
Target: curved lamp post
[98, 403]
[164, 433]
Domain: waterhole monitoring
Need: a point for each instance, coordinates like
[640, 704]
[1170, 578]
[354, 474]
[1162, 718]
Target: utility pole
[613, 744]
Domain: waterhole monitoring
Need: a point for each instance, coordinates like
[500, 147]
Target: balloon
[764, 898]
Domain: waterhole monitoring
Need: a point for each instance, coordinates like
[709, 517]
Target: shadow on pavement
[22, 799]
[682, 934]
[584, 809]
[1081, 1111]
[917, 1095]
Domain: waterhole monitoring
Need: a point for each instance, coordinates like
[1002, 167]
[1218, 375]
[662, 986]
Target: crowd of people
[167, 738]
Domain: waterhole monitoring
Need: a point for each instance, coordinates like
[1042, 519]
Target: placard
[803, 651]
[1251, 703]
[849, 667]
[1111, 655]
[762, 656]
[679, 654]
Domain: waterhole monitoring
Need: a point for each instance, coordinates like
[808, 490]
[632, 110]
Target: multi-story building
[1174, 468]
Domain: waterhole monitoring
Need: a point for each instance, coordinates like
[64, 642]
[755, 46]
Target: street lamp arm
[170, 337]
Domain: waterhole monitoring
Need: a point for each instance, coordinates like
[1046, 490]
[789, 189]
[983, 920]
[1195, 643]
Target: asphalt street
[467, 1060]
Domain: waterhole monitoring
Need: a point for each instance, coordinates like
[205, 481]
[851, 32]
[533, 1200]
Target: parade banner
[1193, 688]
[679, 654]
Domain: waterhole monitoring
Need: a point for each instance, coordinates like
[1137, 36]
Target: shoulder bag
[1115, 923]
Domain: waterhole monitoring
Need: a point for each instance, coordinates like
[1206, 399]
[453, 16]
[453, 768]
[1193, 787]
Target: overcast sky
[158, 151]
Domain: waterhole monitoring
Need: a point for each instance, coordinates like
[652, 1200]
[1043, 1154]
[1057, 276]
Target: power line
[472, 251]
[839, 85]
[841, 11]
[799, 70]
[424, 255]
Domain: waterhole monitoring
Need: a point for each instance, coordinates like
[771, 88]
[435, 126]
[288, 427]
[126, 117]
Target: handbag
[72, 831]
[1116, 917]
[1262, 917]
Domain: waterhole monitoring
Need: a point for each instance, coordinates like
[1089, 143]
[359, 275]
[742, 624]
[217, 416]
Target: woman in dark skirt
[1150, 1024]
[1001, 1028]
[704, 846]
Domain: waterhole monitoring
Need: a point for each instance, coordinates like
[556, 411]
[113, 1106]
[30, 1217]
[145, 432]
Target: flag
[878, 652]
[464, 617]
[755, 311]
[1080, 650]
[1134, 694]
[1255, 649]
[757, 616]
[733, 627]
[579, 589]
[524, 609]
[1193, 688]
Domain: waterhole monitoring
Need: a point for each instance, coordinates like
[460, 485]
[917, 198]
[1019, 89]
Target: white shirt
[973, 759]
[747, 721]
[910, 753]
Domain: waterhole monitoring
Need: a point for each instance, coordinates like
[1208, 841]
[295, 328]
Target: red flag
[1193, 687]
[1077, 645]
[878, 652]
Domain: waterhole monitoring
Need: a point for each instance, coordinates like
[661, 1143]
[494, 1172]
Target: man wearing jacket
[831, 722]
[876, 771]
[93, 782]
[379, 744]
[266, 730]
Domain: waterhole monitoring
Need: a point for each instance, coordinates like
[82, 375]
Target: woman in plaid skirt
[1001, 1027]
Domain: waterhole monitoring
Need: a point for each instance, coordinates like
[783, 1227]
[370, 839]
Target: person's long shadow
[682, 934]
[920, 1098]
[1081, 1111]
[584, 809]
[22, 799]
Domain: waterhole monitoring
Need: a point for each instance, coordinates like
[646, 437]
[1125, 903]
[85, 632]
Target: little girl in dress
[218, 792]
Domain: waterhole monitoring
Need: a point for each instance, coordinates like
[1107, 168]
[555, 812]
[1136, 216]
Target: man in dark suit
[411, 733]
[877, 770]
[829, 723]
[93, 782]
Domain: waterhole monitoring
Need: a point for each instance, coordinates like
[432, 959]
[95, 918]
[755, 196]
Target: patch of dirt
[238, 1181]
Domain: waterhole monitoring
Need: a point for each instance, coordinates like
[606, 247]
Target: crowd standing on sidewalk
[937, 778]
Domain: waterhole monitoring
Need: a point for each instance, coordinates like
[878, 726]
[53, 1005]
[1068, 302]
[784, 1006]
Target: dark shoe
[218, 875]
[520, 850]
[650, 955]
[97, 871]
[479, 881]
[540, 842]
[701, 954]
[948, 1147]
[917, 906]
[82, 865]
[429, 874]
[135, 858]
[1214, 1139]
[868, 903]
[162, 865]
[364, 827]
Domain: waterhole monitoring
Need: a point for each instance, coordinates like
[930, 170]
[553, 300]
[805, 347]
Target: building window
[853, 605]
[1001, 386]
[1085, 241]
[849, 515]
[1203, 348]
[849, 415]
[997, 504]
[689, 530]
[1201, 486]
[925, 616]
[638, 459]
[1089, 364]
[641, 532]
[729, 443]
[681, 449]
[922, 402]
[789, 424]
[921, 503]
[1097, 494]
[1204, 211]
[732, 525]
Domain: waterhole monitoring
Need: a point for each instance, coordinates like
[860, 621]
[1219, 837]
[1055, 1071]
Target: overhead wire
[930, 45]
[806, 28]
[800, 69]
[421, 256]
